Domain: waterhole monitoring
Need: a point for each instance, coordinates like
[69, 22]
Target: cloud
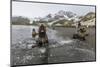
[32, 10]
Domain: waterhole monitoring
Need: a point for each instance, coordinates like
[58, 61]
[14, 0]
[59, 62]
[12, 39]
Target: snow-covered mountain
[67, 18]
[60, 14]
[61, 18]
[86, 20]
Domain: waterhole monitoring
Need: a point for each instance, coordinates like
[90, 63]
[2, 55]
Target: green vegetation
[89, 18]
[20, 20]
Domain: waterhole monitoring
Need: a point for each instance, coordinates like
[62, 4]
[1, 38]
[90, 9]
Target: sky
[32, 10]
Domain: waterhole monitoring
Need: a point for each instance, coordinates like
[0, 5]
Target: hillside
[61, 18]
[87, 20]
[19, 20]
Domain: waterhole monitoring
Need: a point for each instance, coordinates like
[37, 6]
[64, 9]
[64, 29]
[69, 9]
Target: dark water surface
[61, 47]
